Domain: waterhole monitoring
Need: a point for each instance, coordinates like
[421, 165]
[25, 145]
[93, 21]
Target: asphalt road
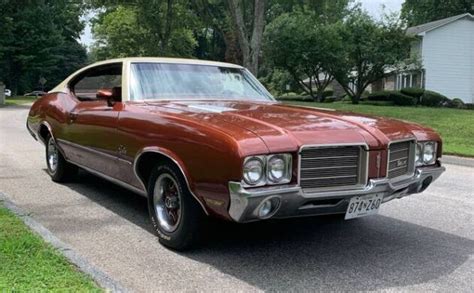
[424, 242]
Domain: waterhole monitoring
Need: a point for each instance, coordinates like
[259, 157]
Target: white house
[446, 51]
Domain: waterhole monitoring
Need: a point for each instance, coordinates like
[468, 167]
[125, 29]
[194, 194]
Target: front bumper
[294, 202]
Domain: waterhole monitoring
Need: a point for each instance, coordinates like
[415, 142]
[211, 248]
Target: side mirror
[111, 95]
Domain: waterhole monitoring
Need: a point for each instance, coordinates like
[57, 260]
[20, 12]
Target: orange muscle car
[200, 138]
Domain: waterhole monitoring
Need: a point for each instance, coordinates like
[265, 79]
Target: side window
[106, 77]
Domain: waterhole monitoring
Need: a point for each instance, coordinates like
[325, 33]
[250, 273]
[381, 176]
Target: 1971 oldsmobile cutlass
[201, 138]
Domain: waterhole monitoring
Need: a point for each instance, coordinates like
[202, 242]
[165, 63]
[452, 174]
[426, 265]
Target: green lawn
[456, 127]
[19, 100]
[28, 264]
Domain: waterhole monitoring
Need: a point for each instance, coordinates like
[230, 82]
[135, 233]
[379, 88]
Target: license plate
[361, 206]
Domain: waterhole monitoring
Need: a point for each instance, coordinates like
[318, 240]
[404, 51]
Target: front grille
[400, 157]
[331, 167]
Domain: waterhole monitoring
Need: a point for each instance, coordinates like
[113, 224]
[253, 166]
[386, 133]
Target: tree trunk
[249, 45]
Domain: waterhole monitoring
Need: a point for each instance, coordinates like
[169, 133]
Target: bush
[330, 100]
[414, 92]
[400, 99]
[328, 93]
[346, 98]
[380, 96]
[456, 103]
[432, 99]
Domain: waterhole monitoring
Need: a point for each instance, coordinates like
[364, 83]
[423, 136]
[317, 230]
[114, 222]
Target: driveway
[423, 242]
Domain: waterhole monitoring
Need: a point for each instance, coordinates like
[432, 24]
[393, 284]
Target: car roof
[60, 87]
[167, 60]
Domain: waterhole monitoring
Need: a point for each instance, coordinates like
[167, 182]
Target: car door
[90, 136]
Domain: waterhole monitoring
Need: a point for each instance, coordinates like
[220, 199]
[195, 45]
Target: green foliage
[413, 92]
[416, 12]
[328, 93]
[456, 103]
[290, 44]
[143, 28]
[380, 96]
[330, 99]
[369, 48]
[400, 99]
[433, 99]
[39, 39]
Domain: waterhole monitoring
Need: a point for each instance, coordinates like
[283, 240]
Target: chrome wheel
[167, 202]
[52, 156]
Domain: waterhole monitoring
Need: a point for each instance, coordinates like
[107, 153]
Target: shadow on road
[326, 252]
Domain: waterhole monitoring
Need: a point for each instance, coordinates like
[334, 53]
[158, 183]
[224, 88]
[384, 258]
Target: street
[423, 242]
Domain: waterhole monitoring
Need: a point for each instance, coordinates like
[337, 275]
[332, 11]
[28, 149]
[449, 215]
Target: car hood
[283, 127]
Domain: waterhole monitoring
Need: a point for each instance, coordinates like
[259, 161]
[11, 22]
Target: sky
[374, 7]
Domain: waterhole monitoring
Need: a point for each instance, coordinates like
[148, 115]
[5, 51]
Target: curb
[460, 161]
[102, 279]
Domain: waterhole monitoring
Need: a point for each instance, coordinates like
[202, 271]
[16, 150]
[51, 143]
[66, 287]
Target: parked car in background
[35, 94]
[8, 93]
[200, 138]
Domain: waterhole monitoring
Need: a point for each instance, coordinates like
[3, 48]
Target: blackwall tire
[58, 168]
[177, 217]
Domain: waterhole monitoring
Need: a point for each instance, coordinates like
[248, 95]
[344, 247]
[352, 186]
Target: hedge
[380, 96]
[433, 99]
[456, 103]
[400, 99]
[413, 92]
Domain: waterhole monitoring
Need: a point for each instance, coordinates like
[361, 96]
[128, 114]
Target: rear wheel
[176, 216]
[58, 168]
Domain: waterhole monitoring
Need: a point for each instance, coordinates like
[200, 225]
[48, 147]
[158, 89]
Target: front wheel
[176, 216]
[58, 168]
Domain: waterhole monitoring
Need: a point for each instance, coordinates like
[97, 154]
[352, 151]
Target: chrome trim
[363, 168]
[158, 151]
[89, 149]
[111, 179]
[296, 203]
[411, 159]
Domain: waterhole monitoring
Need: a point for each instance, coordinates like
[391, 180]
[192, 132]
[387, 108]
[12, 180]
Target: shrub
[346, 98]
[295, 98]
[400, 99]
[432, 99]
[328, 93]
[456, 103]
[380, 96]
[330, 100]
[414, 92]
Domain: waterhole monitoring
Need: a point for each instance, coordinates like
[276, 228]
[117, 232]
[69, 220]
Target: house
[446, 50]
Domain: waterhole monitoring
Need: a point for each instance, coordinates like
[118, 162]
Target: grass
[19, 100]
[28, 264]
[455, 126]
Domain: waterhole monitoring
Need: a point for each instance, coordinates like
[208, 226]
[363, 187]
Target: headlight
[254, 171]
[279, 168]
[425, 153]
[271, 169]
[429, 153]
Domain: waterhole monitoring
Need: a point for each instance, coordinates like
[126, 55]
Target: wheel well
[43, 132]
[146, 162]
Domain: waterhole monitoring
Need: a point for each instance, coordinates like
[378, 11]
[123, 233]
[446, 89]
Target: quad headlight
[271, 169]
[425, 153]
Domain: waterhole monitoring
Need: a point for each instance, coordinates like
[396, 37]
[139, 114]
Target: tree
[298, 43]
[369, 48]
[142, 27]
[416, 12]
[250, 43]
[31, 50]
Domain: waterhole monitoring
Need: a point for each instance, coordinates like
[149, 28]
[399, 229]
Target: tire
[177, 217]
[58, 168]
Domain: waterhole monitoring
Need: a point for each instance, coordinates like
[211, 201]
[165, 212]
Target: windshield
[166, 81]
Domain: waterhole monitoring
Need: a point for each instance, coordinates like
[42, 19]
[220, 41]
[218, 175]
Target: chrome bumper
[294, 202]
